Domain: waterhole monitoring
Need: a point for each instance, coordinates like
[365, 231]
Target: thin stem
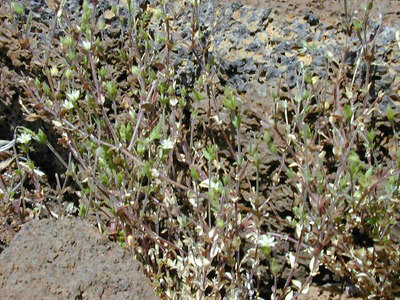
[140, 116]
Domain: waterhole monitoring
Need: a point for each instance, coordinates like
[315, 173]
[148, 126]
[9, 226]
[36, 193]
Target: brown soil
[6, 235]
[69, 259]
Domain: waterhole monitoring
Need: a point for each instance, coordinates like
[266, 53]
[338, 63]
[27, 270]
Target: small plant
[23, 184]
[172, 172]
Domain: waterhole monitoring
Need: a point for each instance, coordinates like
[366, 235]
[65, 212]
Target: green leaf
[398, 158]
[103, 162]
[228, 92]
[38, 84]
[103, 72]
[68, 73]
[193, 173]
[140, 148]
[156, 133]
[225, 180]
[306, 132]
[171, 90]
[298, 212]
[85, 5]
[143, 34]
[390, 184]
[354, 163]
[121, 236]
[274, 265]
[101, 24]
[230, 103]
[266, 251]
[370, 136]
[273, 148]
[289, 173]
[372, 221]
[85, 18]
[100, 152]
[31, 164]
[135, 70]
[40, 137]
[306, 94]
[197, 96]
[82, 210]
[183, 92]
[236, 120]
[390, 113]
[120, 178]
[164, 100]
[17, 8]
[200, 81]
[266, 137]
[308, 78]
[210, 152]
[67, 41]
[214, 200]
[220, 223]
[195, 113]
[114, 9]
[365, 179]
[123, 133]
[357, 26]
[162, 87]
[146, 170]
[369, 173]
[252, 148]
[71, 56]
[158, 13]
[111, 89]
[207, 155]
[347, 112]
[46, 89]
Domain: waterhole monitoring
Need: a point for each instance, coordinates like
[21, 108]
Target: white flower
[74, 95]
[173, 101]
[24, 138]
[215, 184]
[167, 144]
[54, 71]
[135, 70]
[267, 241]
[102, 99]
[68, 105]
[87, 45]
[56, 123]
[155, 173]
[38, 172]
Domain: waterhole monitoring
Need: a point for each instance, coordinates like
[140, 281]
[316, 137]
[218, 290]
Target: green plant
[23, 184]
[187, 189]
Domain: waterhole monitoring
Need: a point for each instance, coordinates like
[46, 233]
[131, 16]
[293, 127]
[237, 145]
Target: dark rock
[311, 19]
[350, 57]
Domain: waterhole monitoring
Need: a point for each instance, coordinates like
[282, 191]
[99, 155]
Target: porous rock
[69, 259]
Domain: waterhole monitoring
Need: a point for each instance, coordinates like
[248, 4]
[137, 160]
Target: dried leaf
[306, 59]
[297, 283]
[5, 163]
[109, 14]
